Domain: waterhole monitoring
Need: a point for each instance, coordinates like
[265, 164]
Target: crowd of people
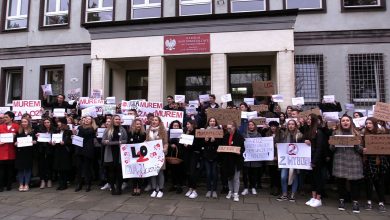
[99, 159]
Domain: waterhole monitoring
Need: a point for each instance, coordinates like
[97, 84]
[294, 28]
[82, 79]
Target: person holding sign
[176, 150]
[157, 131]
[375, 168]
[59, 103]
[113, 137]
[232, 163]
[244, 121]
[347, 165]
[24, 154]
[45, 154]
[63, 153]
[210, 159]
[7, 151]
[85, 154]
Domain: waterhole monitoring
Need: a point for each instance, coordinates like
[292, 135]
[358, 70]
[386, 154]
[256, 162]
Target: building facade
[131, 48]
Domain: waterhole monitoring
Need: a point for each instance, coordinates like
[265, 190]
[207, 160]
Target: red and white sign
[86, 102]
[168, 116]
[192, 43]
[32, 107]
[144, 108]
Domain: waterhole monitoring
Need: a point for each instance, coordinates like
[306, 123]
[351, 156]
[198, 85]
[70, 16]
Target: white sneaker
[245, 192]
[154, 194]
[193, 195]
[310, 201]
[229, 195]
[106, 186]
[316, 203]
[208, 194]
[235, 197]
[188, 193]
[215, 196]
[254, 192]
[160, 194]
[124, 185]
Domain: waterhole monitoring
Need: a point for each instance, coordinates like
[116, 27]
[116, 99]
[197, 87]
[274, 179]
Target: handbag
[174, 159]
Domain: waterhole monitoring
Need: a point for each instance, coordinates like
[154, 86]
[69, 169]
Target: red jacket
[7, 151]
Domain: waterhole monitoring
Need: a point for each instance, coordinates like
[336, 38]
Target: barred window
[366, 75]
[309, 78]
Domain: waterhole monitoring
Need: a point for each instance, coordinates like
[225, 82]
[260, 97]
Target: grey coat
[347, 161]
[107, 147]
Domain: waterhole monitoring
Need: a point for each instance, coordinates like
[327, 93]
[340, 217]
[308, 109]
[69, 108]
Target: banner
[145, 108]
[142, 160]
[32, 107]
[263, 88]
[168, 116]
[86, 102]
[377, 144]
[259, 149]
[294, 155]
[209, 133]
[382, 111]
[223, 116]
[344, 140]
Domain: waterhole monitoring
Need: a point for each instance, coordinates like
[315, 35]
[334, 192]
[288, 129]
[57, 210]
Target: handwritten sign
[4, 110]
[344, 140]
[193, 103]
[186, 139]
[259, 108]
[259, 121]
[90, 111]
[168, 116]
[382, 111]
[249, 115]
[294, 155]
[259, 149]
[359, 122]
[59, 112]
[329, 98]
[175, 133]
[127, 119]
[224, 116]
[298, 101]
[109, 109]
[209, 133]
[100, 132]
[331, 116]
[249, 101]
[306, 113]
[7, 138]
[32, 107]
[56, 138]
[204, 98]
[229, 149]
[24, 141]
[226, 98]
[74, 94]
[180, 98]
[78, 141]
[86, 102]
[263, 88]
[277, 98]
[377, 144]
[47, 90]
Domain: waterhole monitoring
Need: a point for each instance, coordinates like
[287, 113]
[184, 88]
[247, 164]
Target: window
[56, 12]
[247, 5]
[16, 14]
[195, 7]
[53, 75]
[12, 84]
[99, 10]
[136, 84]
[193, 83]
[304, 4]
[366, 74]
[361, 3]
[241, 79]
[309, 73]
[145, 9]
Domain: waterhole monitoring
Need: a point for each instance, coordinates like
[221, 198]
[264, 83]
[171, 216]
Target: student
[157, 131]
[107, 185]
[375, 169]
[59, 103]
[24, 155]
[170, 100]
[175, 148]
[136, 135]
[113, 137]
[232, 163]
[244, 121]
[45, 155]
[348, 166]
[212, 103]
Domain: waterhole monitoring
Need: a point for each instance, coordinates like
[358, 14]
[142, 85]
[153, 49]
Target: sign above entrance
[192, 43]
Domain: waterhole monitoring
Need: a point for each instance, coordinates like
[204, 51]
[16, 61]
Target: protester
[45, 154]
[176, 150]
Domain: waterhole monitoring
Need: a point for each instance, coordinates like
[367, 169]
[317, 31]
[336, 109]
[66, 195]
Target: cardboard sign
[226, 98]
[249, 101]
[377, 144]
[44, 137]
[306, 113]
[32, 107]
[259, 108]
[47, 90]
[78, 141]
[175, 133]
[86, 102]
[277, 98]
[168, 116]
[180, 98]
[263, 88]
[186, 139]
[294, 155]
[7, 137]
[229, 149]
[259, 121]
[223, 116]
[56, 138]
[382, 111]
[209, 133]
[344, 140]
[111, 100]
[59, 112]
[142, 160]
[259, 149]
[359, 122]
[329, 98]
[100, 132]
[298, 101]
[204, 98]
[24, 141]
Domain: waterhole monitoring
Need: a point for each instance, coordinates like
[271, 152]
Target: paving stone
[138, 217]
[217, 214]
[114, 216]
[131, 208]
[247, 207]
[279, 216]
[46, 196]
[33, 202]
[217, 206]
[188, 218]
[301, 216]
[55, 203]
[89, 215]
[250, 215]
[105, 206]
[14, 217]
[163, 202]
[189, 212]
[27, 211]
[163, 217]
[192, 204]
[342, 217]
[48, 212]
[8, 209]
[80, 205]
[159, 210]
[69, 214]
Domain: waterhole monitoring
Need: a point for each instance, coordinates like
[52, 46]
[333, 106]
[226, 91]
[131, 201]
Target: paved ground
[97, 204]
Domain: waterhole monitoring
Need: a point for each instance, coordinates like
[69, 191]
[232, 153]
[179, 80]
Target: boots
[79, 187]
[88, 187]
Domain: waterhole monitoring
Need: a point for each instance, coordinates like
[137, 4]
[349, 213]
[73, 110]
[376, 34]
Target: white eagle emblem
[170, 44]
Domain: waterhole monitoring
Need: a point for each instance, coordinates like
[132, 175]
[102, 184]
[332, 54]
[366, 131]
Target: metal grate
[366, 79]
[309, 78]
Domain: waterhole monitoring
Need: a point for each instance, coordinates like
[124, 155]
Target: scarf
[153, 133]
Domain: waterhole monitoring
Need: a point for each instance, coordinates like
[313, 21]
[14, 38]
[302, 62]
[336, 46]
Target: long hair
[110, 129]
[43, 128]
[173, 122]
[374, 123]
[208, 122]
[162, 132]
[296, 127]
[132, 127]
[248, 109]
[312, 131]
[93, 124]
[194, 125]
[28, 129]
[351, 129]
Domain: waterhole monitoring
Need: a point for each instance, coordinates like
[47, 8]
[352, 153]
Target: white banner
[24, 141]
[298, 101]
[168, 116]
[259, 149]
[145, 108]
[294, 155]
[142, 160]
[86, 102]
[32, 107]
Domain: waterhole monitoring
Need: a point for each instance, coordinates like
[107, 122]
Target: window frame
[4, 17]
[322, 9]
[182, 88]
[142, 88]
[380, 7]
[178, 6]
[84, 13]
[42, 77]
[230, 8]
[130, 9]
[42, 16]
[3, 84]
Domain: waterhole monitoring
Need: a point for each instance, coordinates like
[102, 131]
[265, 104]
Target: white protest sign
[359, 122]
[180, 98]
[127, 119]
[96, 93]
[298, 101]
[4, 110]
[294, 155]
[24, 141]
[259, 149]
[32, 107]
[329, 98]
[204, 98]
[90, 111]
[249, 115]
[110, 100]
[100, 132]
[86, 102]
[331, 116]
[349, 107]
[109, 109]
[186, 139]
[175, 133]
[277, 98]
[127, 105]
[268, 120]
[47, 89]
[7, 138]
[226, 98]
[59, 112]
[142, 160]
[78, 141]
[168, 116]
[363, 111]
[249, 101]
[44, 137]
[56, 138]
[193, 103]
[145, 108]
[191, 111]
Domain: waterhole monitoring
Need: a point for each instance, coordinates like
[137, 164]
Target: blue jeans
[284, 181]
[24, 176]
[212, 175]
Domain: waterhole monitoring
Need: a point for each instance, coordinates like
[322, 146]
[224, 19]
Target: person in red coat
[7, 151]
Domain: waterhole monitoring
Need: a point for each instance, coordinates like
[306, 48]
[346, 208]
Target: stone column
[157, 79]
[98, 72]
[219, 75]
[285, 76]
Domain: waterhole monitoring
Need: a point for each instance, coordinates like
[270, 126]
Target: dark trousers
[115, 174]
[62, 178]
[6, 173]
[379, 184]
[274, 174]
[317, 183]
[195, 169]
[250, 176]
[45, 166]
[84, 169]
[212, 175]
[342, 189]
[177, 174]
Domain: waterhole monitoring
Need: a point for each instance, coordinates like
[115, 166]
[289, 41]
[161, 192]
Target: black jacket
[231, 161]
[24, 155]
[55, 104]
[88, 149]
[63, 153]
